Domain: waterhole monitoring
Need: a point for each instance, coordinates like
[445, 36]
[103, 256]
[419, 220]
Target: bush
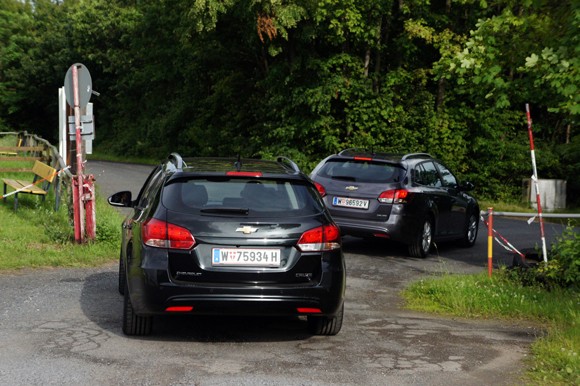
[562, 269]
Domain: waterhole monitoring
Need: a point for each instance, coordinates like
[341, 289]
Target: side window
[426, 174]
[449, 179]
[150, 187]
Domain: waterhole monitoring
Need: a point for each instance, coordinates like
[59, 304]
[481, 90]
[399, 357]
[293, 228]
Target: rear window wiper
[234, 211]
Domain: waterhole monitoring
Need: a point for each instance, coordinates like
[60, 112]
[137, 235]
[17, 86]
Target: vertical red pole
[535, 181]
[90, 206]
[489, 242]
[78, 179]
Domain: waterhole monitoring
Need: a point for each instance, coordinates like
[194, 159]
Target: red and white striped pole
[536, 185]
[79, 225]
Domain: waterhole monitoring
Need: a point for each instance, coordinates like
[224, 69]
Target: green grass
[115, 158]
[37, 236]
[556, 356]
[506, 206]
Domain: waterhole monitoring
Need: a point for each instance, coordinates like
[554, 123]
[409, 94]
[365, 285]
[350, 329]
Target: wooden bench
[42, 172]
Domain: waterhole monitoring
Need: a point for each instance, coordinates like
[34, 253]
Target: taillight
[363, 159]
[309, 310]
[179, 309]
[320, 189]
[323, 238]
[161, 234]
[394, 196]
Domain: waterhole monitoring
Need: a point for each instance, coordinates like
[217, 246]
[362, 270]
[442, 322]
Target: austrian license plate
[246, 257]
[350, 202]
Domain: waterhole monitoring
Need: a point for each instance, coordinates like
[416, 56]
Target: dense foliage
[562, 269]
[305, 78]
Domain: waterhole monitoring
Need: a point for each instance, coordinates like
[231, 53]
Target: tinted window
[150, 188]
[426, 174]
[448, 178]
[361, 171]
[260, 197]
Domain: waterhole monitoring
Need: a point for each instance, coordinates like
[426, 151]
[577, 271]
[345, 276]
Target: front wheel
[325, 325]
[470, 232]
[421, 246]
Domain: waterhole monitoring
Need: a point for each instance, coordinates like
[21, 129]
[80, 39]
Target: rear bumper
[152, 292]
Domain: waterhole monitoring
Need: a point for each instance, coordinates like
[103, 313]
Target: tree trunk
[367, 62]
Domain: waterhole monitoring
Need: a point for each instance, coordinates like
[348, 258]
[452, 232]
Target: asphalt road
[63, 326]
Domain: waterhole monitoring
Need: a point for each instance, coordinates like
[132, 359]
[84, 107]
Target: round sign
[85, 85]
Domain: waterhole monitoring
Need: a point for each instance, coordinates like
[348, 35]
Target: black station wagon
[216, 236]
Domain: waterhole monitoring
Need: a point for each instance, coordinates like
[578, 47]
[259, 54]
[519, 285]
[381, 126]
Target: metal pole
[489, 242]
[89, 201]
[78, 179]
[536, 185]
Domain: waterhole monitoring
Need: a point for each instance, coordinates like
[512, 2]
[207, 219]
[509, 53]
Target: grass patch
[507, 206]
[121, 159]
[37, 236]
[556, 357]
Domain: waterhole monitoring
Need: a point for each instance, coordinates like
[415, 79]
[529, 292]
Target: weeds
[38, 236]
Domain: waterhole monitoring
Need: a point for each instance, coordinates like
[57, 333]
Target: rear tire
[421, 246]
[470, 233]
[325, 325]
[134, 324]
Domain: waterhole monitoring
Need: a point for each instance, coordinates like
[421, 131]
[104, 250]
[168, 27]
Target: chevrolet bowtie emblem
[351, 187]
[247, 230]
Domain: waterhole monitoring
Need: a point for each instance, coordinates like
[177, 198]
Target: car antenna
[238, 163]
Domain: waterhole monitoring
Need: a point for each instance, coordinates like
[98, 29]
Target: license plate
[246, 257]
[350, 202]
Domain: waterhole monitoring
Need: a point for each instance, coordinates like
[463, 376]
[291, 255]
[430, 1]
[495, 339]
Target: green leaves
[306, 78]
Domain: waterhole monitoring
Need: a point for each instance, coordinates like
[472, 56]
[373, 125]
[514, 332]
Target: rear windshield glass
[241, 196]
[362, 171]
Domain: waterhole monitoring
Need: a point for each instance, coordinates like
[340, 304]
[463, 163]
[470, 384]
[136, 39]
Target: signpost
[78, 89]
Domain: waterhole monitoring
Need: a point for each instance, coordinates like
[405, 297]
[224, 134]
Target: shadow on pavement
[103, 305]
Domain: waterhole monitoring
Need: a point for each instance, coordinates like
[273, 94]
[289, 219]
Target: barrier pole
[489, 241]
[536, 185]
[79, 225]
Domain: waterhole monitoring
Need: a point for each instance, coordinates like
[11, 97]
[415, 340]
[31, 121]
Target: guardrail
[493, 234]
[528, 214]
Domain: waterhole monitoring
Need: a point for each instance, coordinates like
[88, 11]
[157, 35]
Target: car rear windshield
[242, 196]
[362, 171]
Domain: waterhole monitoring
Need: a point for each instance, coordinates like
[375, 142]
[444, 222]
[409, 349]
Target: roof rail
[416, 155]
[348, 152]
[289, 162]
[176, 160]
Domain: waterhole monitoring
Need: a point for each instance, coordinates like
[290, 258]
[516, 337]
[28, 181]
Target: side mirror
[121, 199]
[466, 186]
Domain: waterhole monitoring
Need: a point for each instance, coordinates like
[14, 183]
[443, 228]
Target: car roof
[282, 166]
[372, 155]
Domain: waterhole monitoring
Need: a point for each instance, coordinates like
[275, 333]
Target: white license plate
[350, 202]
[246, 257]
